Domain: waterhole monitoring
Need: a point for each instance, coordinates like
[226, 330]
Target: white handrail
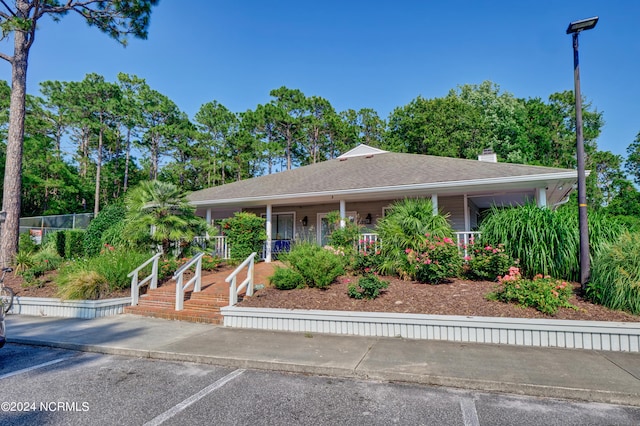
[135, 285]
[234, 289]
[197, 279]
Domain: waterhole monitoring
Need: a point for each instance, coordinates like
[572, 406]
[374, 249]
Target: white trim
[467, 219]
[592, 335]
[267, 257]
[541, 197]
[434, 204]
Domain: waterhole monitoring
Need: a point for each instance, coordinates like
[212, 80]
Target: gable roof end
[361, 151]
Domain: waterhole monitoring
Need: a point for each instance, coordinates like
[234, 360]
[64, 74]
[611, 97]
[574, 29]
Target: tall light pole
[575, 28]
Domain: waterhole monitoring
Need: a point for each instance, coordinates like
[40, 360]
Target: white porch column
[467, 219]
[434, 203]
[267, 257]
[541, 195]
[343, 212]
[209, 216]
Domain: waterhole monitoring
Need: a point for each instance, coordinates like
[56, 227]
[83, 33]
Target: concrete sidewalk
[609, 377]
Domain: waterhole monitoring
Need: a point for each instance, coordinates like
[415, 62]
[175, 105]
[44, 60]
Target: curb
[558, 392]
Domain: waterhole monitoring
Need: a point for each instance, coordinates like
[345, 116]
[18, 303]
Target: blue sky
[357, 54]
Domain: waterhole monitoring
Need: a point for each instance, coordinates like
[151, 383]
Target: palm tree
[159, 214]
[405, 227]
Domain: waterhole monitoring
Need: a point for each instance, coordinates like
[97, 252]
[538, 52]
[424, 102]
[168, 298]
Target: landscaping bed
[456, 297]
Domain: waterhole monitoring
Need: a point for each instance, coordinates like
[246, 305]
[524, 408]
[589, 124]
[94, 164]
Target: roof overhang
[558, 185]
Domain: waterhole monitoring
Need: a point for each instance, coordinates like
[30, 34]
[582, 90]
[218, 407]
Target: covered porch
[286, 223]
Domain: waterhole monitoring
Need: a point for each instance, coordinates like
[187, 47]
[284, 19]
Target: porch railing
[368, 241]
[136, 284]
[371, 241]
[220, 246]
[464, 238]
[196, 279]
[232, 279]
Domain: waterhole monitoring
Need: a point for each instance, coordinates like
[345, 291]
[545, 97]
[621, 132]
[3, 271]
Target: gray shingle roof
[376, 171]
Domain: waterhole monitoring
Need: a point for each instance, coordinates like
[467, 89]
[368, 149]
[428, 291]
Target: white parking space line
[35, 367]
[469, 413]
[194, 398]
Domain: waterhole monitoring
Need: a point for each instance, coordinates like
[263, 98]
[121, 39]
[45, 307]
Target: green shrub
[47, 259]
[210, 263]
[111, 264]
[115, 236]
[486, 262]
[629, 223]
[405, 227]
[367, 259]
[542, 293]
[23, 261]
[343, 238]
[60, 242]
[69, 244]
[545, 241]
[286, 279]
[434, 261]
[114, 265]
[318, 267]
[615, 275]
[168, 266]
[368, 287]
[108, 217]
[32, 266]
[26, 243]
[82, 284]
[246, 234]
[73, 243]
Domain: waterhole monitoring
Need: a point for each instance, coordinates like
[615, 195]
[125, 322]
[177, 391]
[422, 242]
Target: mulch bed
[458, 297]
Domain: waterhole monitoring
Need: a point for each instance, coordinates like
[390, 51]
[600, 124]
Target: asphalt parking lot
[53, 386]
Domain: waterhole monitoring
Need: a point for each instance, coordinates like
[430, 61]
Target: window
[281, 226]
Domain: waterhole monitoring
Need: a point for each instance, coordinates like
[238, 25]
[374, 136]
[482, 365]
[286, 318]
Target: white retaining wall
[42, 306]
[596, 335]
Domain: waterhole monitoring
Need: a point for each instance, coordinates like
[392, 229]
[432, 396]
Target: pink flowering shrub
[367, 259]
[435, 260]
[486, 262]
[546, 294]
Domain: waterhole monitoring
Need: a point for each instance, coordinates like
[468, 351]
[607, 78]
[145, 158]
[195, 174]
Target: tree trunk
[153, 167]
[13, 165]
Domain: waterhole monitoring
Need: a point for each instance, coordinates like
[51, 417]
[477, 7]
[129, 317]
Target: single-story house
[363, 182]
